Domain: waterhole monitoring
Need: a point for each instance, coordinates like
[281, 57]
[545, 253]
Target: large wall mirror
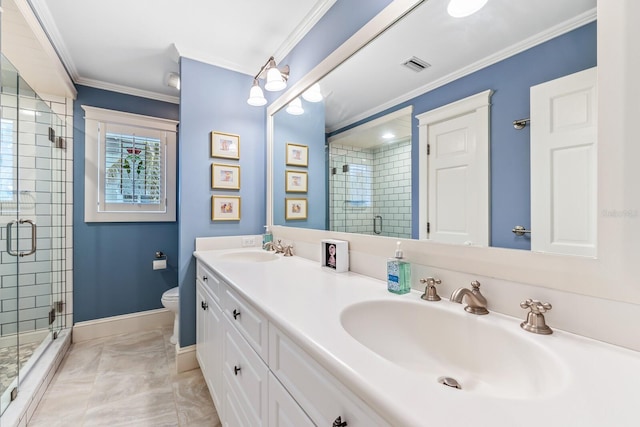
[362, 140]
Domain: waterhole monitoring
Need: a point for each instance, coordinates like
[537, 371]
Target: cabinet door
[201, 330]
[283, 410]
[214, 351]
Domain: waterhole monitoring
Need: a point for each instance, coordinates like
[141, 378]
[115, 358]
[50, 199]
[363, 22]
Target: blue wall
[307, 129]
[510, 80]
[212, 98]
[112, 272]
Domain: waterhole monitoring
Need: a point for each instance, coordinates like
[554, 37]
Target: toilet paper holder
[160, 255]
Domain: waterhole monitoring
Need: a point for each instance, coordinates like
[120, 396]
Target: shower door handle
[10, 238]
[34, 237]
[377, 220]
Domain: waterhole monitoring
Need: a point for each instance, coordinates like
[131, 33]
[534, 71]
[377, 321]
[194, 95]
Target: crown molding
[309, 21]
[544, 36]
[98, 84]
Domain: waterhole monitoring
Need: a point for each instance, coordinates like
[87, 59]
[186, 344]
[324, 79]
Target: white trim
[130, 119]
[126, 323]
[512, 50]
[98, 84]
[186, 358]
[309, 21]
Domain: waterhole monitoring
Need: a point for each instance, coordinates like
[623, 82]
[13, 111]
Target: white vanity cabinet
[257, 376]
[209, 332]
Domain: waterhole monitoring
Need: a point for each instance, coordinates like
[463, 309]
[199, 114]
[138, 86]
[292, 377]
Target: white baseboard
[116, 325]
[186, 358]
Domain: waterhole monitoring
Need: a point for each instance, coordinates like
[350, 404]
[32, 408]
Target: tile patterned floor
[8, 366]
[126, 380]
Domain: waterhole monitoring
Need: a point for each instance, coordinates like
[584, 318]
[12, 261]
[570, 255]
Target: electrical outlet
[248, 241]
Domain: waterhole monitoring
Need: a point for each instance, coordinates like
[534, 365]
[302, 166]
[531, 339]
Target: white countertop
[599, 386]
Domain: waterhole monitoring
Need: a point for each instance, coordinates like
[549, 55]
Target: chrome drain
[450, 382]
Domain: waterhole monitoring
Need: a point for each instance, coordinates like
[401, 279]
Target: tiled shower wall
[392, 183]
[378, 183]
[46, 174]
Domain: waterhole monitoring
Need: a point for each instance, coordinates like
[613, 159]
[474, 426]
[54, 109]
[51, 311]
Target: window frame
[97, 121]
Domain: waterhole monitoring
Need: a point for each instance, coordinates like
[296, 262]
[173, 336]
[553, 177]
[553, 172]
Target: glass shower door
[32, 211]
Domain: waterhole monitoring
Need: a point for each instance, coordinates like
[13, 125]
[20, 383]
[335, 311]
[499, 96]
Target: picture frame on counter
[335, 255]
[225, 145]
[225, 177]
[225, 208]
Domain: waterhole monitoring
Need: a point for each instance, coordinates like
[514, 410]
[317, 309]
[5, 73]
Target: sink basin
[486, 356]
[249, 256]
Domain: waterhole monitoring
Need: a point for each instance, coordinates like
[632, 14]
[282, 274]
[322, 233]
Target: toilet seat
[171, 295]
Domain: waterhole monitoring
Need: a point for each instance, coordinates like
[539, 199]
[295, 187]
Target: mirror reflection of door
[454, 187]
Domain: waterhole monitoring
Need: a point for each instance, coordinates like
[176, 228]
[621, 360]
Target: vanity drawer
[247, 375]
[319, 394]
[252, 325]
[209, 279]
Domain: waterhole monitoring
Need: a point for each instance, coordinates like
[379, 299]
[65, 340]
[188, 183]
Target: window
[130, 167]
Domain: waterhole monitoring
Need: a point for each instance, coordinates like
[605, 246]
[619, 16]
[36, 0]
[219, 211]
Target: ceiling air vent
[416, 64]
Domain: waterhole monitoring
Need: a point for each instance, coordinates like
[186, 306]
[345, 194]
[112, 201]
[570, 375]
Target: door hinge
[14, 393]
[428, 149]
[428, 227]
[52, 316]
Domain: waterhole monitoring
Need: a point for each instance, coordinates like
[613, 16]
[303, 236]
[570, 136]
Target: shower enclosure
[32, 229]
[370, 189]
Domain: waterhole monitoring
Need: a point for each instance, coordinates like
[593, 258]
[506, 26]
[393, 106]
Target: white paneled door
[564, 165]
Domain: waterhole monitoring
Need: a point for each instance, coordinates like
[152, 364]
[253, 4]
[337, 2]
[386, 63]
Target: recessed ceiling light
[462, 8]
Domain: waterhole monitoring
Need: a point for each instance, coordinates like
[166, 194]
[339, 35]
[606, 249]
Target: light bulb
[275, 82]
[295, 107]
[462, 8]
[256, 96]
[313, 94]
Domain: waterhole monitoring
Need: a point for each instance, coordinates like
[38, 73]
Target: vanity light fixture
[313, 94]
[256, 96]
[173, 80]
[276, 79]
[462, 8]
[295, 107]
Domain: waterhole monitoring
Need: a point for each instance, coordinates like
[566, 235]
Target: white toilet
[171, 300]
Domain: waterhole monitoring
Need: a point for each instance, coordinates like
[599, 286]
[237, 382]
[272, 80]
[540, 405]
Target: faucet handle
[430, 292]
[536, 306]
[475, 285]
[535, 318]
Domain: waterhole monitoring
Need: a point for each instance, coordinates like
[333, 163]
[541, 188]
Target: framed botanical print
[225, 208]
[225, 145]
[295, 181]
[225, 177]
[297, 155]
[295, 208]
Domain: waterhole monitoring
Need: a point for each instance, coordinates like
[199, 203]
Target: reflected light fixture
[295, 107]
[174, 80]
[388, 135]
[313, 94]
[462, 8]
[276, 79]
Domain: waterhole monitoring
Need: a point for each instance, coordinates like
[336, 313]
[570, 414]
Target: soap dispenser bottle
[398, 273]
[267, 237]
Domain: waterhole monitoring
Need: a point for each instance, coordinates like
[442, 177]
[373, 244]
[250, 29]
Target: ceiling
[374, 79]
[132, 46]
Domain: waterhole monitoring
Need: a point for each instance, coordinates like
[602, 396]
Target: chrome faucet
[476, 302]
[278, 247]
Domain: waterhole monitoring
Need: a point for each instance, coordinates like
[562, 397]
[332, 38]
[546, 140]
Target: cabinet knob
[236, 369]
[204, 305]
[339, 423]
[236, 313]
[205, 278]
